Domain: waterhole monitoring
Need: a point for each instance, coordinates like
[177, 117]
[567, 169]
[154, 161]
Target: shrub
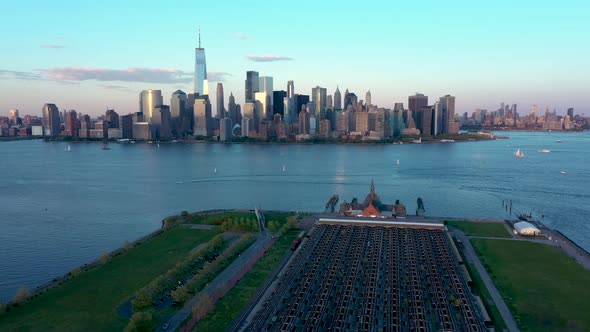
[143, 300]
[140, 321]
[184, 213]
[21, 296]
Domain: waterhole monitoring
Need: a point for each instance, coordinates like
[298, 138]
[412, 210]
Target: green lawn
[231, 305]
[481, 289]
[88, 302]
[545, 289]
[490, 229]
[216, 218]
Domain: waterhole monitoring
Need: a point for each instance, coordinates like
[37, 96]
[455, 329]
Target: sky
[94, 55]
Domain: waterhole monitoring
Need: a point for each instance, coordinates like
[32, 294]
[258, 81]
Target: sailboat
[519, 154]
[397, 162]
[68, 149]
[215, 171]
[284, 168]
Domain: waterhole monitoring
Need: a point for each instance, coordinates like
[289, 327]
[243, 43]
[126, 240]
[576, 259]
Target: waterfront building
[162, 122]
[262, 101]
[313, 124]
[368, 98]
[246, 122]
[447, 105]
[178, 105]
[51, 121]
[251, 84]
[142, 131]
[126, 126]
[325, 127]
[148, 100]
[201, 84]
[278, 102]
[337, 99]
[202, 115]
[304, 122]
[437, 126]
[225, 130]
[372, 207]
[362, 122]
[71, 123]
[112, 118]
[13, 117]
[424, 119]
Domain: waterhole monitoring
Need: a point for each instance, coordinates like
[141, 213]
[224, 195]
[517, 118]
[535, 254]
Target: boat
[559, 141]
[68, 149]
[519, 154]
[284, 168]
[215, 171]
[158, 144]
[106, 148]
[563, 172]
[397, 162]
[544, 151]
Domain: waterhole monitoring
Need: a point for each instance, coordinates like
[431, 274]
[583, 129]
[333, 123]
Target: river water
[59, 210]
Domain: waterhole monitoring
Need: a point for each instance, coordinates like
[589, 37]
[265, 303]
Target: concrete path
[472, 258]
[219, 282]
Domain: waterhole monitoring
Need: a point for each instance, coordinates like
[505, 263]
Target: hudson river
[62, 209]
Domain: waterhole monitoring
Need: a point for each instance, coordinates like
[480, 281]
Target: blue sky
[78, 54]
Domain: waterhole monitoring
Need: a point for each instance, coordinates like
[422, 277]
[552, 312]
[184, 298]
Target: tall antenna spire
[199, 36]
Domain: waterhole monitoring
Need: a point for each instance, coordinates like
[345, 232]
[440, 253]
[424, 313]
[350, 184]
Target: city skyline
[487, 54]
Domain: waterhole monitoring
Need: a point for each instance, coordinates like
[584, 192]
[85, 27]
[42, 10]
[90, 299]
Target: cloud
[239, 35]
[268, 58]
[19, 75]
[214, 76]
[144, 75]
[117, 87]
[52, 46]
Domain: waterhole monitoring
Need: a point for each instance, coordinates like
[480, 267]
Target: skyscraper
[51, 122]
[416, 102]
[447, 104]
[161, 121]
[570, 112]
[290, 106]
[232, 109]
[202, 117]
[70, 122]
[262, 101]
[201, 87]
[148, 100]
[220, 112]
[278, 107]
[337, 99]
[368, 98]
[13, 117]
[303, 122]
[251, 85]
[178, 103]
[265, 84]
[350, 100]
[318, 97]
[329, 103]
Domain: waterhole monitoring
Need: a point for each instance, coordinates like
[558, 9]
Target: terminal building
[372, 207]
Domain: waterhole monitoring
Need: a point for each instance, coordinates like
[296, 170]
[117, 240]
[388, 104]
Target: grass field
[490, 229]
[212, 218]
[88, 302]
[545, 289]
[231, 305]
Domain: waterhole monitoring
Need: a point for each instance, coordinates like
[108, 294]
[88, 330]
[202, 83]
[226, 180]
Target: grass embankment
[545, 289]
[488, 229]
[480, 288]
[217, 219]
[88, 302]
[233, 303]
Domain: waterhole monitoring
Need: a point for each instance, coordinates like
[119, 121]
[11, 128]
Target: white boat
[397, 162]
[559, 141]
[68, 149]
[544, 151]
[215, 171]
[519, 154]
[284, 168]
[158, 144]
[563, 172]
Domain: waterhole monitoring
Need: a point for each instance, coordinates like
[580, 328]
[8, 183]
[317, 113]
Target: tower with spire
[337, 99]
[201, 84]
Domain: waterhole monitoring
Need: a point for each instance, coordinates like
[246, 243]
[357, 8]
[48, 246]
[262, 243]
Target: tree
[181, 294]
[143, 300]
[140, 322]
[21, 296]
[2, 309]
[184, 213]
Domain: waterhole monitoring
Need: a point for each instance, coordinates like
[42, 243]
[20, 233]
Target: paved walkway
[222, 279]
[472, 258]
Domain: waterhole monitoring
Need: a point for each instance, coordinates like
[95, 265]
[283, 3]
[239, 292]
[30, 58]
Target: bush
[181, 294]
[184, 213]
[140, 322]
[143, 300]
[21, 296]
[2, 309]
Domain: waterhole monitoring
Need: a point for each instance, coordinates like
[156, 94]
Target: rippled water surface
[61, 209]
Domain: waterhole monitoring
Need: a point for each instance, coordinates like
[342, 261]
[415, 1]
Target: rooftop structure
[358, 278]
[526, 228]
[372, 207]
